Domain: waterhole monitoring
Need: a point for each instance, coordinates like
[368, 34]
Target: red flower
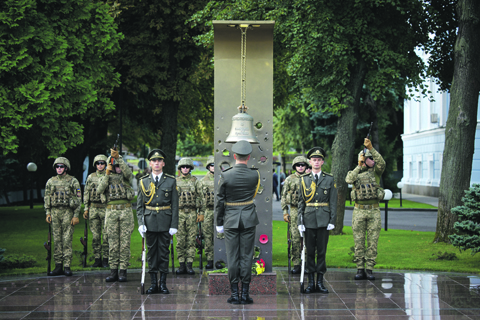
[262, 263]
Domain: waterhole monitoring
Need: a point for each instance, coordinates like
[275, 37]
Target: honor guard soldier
[95, 208]
[366, 192]
[157, 215]
[63, 198]
[317, 211]
[117, 188]
[207, 188]
[290, 196]
[237, 218]
[191, 209]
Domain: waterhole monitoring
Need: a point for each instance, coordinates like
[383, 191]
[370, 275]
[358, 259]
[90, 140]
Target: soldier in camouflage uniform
[116, 186]
[366, 193]
[63, 198]
[190, 200]
[94, 207]
[208, 193]
[290, 194]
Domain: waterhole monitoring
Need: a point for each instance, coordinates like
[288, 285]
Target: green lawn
[24, 231]
[406, 204]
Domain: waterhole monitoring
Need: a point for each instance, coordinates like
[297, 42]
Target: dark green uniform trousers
[157, 256]
[239, 244]
[316, 243]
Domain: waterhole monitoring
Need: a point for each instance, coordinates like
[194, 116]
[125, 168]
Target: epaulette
[328, 174]
[169, 175]
[145, 176]
[254, 168]
[227, 169]
[304, 174]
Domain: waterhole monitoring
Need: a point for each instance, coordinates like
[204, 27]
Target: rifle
[199, 241]
[48, 246]
[368, 137]
[302, 274]
[289, 245]
[84, 242]
[173, 254]
[115, 148]
[142, 284]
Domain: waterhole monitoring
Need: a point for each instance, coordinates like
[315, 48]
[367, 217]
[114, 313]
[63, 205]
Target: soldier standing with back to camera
[317, 211]
[95, 210]
[237, 218]
[290, 196]
[207, 187]
[157, 215]
[366, 218]
[119, 224]
[190, 201]
[63, 198]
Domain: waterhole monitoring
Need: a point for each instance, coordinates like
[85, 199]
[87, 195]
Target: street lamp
[386, 198]
[32, 167]
[400, 185]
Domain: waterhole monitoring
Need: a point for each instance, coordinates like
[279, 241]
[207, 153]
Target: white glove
[220, 229]
[301, 228]
[142, 229]
[172, 231]
[330, 226]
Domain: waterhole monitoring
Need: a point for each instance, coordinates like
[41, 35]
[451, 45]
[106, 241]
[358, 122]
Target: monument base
[265, 283]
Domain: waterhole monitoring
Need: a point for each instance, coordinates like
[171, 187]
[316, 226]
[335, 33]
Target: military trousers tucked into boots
[62, 235]
[157, 244]
[239, 243]
[119, 225]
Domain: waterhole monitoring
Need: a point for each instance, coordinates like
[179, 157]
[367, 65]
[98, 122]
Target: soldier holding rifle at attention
[63, 198]
[366, 192]
[157, 215]
[207, 189]
[317, 211]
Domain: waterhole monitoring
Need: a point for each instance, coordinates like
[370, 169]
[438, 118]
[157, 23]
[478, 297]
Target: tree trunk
[343, 145]
[169, 134]
[462, 118]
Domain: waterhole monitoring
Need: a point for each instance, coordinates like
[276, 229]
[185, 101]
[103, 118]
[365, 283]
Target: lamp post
[400, 185]
[32, 167]
[386, 198]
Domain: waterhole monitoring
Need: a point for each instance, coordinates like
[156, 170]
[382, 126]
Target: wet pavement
[393, 295]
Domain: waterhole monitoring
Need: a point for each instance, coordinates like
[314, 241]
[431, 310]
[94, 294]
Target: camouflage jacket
[189, 194]
[291, 191]
[117, 187]
[63, 191]
[91, 194]
[207, 190]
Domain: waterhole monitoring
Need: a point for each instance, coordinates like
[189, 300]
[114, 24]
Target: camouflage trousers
[369, 222]
[186, 235]
[207, 229]
[119, 225]
[97, 225]
[62, 235]
[296, 250]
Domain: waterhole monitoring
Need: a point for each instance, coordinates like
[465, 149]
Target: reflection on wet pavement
[393, 295]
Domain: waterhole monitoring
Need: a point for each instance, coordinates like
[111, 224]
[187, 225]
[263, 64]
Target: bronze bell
[242, 127]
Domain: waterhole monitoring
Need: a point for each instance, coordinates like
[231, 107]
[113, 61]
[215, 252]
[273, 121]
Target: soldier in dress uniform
[207, 189]
[95, 210]
[290, 196]
[366, 218]
[191, 209]
[63, 198]
[237, 218]
[317, 211]
[157, 215]
[117, 188]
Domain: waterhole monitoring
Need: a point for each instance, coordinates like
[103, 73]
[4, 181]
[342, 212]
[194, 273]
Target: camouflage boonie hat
[186, 162]
[242, 148]
[62, 160]
[210, 161]
[99, 157]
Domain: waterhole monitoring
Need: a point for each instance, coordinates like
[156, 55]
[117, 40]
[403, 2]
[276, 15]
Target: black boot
[245, 296]
[320, 287]
[296, 269]
[181, 269]
[370, 275]
[68, 272]
[105, 262]
[234, 299]
[189, 268]
[97, 264]
[163, 283]
[122, 277]
[311, 284]
[154, 281]
[113, 276]
[361, 275]
[209, 264]
[58, 271]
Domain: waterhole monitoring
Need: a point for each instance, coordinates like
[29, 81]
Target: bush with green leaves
[14, 261]
[467, 228]
[1, 254]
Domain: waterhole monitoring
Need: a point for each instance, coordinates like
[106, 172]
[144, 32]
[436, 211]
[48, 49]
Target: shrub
[13, 261]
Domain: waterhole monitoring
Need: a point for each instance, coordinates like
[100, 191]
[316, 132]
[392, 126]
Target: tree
[467, 228]
[462, 117]
[53, 71]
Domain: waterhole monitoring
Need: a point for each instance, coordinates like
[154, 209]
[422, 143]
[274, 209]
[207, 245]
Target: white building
[424, 142]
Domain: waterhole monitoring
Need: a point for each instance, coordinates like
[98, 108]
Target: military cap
[156, 154]
[242, 148]
[316, 152]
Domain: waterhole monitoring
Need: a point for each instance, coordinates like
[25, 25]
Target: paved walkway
[393, 295]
